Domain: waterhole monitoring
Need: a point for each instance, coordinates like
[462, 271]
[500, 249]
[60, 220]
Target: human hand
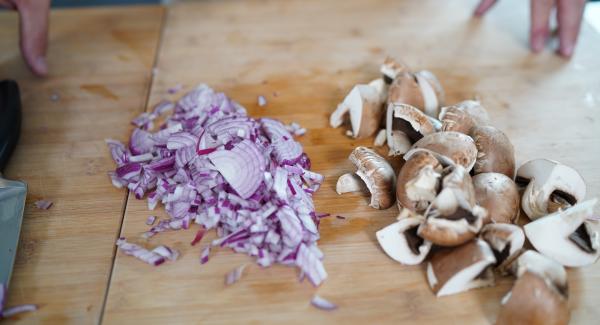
[569, 16]
[33, 26]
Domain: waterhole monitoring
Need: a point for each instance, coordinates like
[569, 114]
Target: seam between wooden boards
[146, 107]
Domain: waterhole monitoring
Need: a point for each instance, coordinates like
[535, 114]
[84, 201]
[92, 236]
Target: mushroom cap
[391, 68]
[555, 235]
[432, 91]
[505, 239]
[458, 269]
[499, 195]
[540, 294]
[406, 90]
[532, 302]
[453, 218]
[457, 146]
[547, 181]
[400, 242]
[463, 116]
[377, 174]
[495, 153]
[405, 125]
[418, 182]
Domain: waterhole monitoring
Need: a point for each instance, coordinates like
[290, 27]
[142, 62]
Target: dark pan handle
[10, 119]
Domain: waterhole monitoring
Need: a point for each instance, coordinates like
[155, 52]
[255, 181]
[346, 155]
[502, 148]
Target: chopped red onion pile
[211, 164]
[43, 204]
[9, 312]
[323, 303]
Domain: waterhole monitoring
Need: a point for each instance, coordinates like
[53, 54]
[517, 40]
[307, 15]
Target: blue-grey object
[12, 193]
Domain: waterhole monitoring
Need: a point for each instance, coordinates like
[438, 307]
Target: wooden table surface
[309, 53]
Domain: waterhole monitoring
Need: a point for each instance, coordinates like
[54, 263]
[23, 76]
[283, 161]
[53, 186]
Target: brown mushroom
[506, 240]
[365, 106]
[418, 183]
[432, 91]
[376, 173]
[499, 195]
[567, 236]
[457, 146]
[550, 186]
[453, 217]
[495, 153]
[463, 116]
[391, 68]
[401, 242]
[458, 269]
[406, 90]
[540, 294]
[405, 126]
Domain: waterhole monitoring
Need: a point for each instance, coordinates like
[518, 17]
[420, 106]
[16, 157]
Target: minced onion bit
[43, 204]
[212, 164]
[9, 312]
[323, 303]
[235, 275]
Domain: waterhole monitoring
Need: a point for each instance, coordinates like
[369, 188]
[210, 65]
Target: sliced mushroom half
[421, 90]
[418, 183]
[365, 106]
[457, 146]
[499, 195]
[458, 269]
[405, 126]
[505, 239]
[432, 92]
[391, 68]
[453, 217]
[495, 153]
[401, 242]
[550, 186]
[375, 172]
[540, 294]
[463, 116]
[567, 236]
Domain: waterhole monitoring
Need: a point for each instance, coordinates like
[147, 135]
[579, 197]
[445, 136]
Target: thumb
[33, 23]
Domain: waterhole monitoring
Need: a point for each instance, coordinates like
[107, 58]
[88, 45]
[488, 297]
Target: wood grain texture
[304, 56]
[100, 62]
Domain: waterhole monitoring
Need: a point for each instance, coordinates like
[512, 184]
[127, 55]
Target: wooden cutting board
[304, 56]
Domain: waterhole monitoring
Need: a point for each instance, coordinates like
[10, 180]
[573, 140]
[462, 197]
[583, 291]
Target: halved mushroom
[505, 239]
[432, 91]
[364, 103]
[401, 242]
[567, 236]
[540, 294]
[457, 146]
[550, 186]
[461, 268]
[495, 153]
[405, 126]
[421, 90]
[463, 116]
[391, 68]
[376, 173]
[453, 217]
[499, 195]
[418, 183]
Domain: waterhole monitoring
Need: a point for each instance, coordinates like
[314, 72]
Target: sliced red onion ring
[241, 167]
[323, 303]
[43, 204]
[235, 275]
[140, 253]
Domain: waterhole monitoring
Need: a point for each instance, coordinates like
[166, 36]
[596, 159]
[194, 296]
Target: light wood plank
[100, 69]
[311, 52]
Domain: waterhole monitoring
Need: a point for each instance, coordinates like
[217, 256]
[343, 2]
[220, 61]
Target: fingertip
[40, 66]
[566, 50]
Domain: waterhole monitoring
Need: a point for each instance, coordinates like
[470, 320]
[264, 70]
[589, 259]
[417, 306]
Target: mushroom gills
[522, 182]
[413, 240]
[475, 276]
[560, 200]
[407, 128]
[581, 237]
